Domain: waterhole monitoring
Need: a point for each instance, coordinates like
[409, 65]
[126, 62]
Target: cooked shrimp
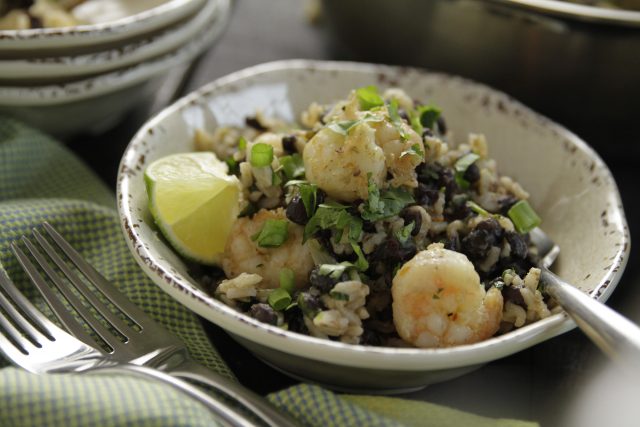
[399, 162]
[438, 300]
[341, 165]
[243, 255]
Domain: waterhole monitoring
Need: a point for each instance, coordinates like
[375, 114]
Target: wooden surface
[544, 383]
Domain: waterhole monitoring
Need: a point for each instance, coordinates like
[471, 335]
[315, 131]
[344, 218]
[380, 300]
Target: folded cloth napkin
[41, 180]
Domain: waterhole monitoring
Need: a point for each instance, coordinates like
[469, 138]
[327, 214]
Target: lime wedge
[194, 202]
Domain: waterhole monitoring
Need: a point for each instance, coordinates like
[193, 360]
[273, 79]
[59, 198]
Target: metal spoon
[617, 336]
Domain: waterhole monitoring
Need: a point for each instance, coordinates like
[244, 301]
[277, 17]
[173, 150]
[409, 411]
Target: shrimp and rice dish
[365, 224]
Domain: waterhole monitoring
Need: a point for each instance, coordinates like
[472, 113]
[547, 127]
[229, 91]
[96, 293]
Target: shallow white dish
[39, 70]
[95, 104]
[570, 187]
[147, 21]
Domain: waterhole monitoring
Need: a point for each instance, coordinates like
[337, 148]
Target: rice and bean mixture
[365, 224]
[26, 14]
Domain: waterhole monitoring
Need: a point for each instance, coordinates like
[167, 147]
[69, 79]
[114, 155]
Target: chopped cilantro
[396, 120]
[414, 150]
[345, 126]
[403, 234]
[361, 263]
[340, 296]
[292, 166]
[385, 204]
[334, 216]
[232, 164]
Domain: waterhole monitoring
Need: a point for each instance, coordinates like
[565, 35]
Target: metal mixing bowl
[579, 65]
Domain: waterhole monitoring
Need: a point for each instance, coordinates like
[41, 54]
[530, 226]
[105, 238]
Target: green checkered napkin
[41, 180]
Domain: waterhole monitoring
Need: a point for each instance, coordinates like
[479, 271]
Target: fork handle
[617, 336]
[190, 369]
[229, 417]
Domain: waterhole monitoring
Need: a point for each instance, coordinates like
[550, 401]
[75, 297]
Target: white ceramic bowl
[570, 187]
[95, 104]
[39, 40]
[57, 69]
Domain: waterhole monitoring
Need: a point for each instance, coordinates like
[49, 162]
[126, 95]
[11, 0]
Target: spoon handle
[616, 335]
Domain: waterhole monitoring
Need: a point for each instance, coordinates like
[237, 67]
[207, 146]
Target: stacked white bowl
[85, 78]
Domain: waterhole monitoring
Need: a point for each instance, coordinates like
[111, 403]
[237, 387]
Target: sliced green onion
[428, 115]
[361, 263]
[273, 234]
[261, 155]
[478, 209]
[461, 167]
[369, 98]
[403, 234]
[287, 280]
[523, 216]
[242, 143]
[279, 299]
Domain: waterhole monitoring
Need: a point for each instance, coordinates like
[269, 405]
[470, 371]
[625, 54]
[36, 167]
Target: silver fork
[32, 342]
[617, 336]
[150, 344]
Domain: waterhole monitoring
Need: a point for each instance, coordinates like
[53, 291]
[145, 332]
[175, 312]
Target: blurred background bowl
[59, 69]
[93, 104]
[134, 19]
[577, 64]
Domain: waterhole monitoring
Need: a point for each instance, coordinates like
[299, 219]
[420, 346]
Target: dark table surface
[563, 381]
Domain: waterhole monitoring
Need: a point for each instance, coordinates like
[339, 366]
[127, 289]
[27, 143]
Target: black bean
[429, 172]
[296, 211]
[448, 181]
[370, 337]
[289, 143]
[513, 295]
[472, 174]
[391, 252]
[295, 322]
[324, 283]
[518, 245]
[252, 121]
[412, 215]
[458, 208]
[427, 133]
[506, 202]
[403, 115]
[453, 243]
[309, 304]
[477, 243]
[426, 195]
[264, 313]
[493, 228]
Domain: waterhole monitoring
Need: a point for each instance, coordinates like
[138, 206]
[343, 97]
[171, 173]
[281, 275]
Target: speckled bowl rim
[380, 358]
[102, 61]
[127, 27]
[109, 82]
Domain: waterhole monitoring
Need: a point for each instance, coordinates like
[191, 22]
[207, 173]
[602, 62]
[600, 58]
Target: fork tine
[50, 297]
[23, 343]
[81, 287]
[38, 319]
[102, 284]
